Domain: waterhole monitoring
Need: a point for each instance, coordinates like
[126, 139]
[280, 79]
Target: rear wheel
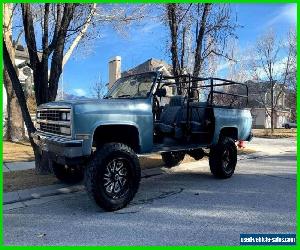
[223, 158]
[172, 159]
[113, 176]
[70, 174]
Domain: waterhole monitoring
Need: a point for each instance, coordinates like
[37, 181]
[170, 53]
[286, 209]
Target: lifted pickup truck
[99, 140]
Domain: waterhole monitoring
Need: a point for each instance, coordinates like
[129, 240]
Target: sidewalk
[16, 166]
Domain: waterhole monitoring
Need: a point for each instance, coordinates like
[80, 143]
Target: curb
[20, 198]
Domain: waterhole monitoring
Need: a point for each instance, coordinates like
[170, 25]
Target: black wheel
[67, 173]
[113, 176]
[287, 126]
[223, 158]
[172, 159]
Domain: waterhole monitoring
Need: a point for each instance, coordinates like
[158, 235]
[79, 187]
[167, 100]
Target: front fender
[110, 123]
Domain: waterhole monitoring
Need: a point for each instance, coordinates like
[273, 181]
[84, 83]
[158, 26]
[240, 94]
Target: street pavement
[181, 206]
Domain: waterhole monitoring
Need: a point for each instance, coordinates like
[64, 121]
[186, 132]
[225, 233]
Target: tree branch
[57, 27]
[80, 35]
[29, 34]
[56, 62]
[200, 38]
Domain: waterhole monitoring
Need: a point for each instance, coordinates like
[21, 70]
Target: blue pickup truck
[100, 140]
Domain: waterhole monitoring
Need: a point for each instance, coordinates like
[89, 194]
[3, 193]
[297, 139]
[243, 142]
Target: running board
[160, 148]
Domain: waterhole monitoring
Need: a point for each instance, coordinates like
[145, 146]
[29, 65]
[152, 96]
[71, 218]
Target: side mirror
[161, 92]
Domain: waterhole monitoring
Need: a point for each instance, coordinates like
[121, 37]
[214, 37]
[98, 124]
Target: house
[25, 74]
[149, 65]
[260, 104]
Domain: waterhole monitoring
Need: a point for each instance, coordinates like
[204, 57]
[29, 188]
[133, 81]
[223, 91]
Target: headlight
[68, 116]
[38, 114]
[64, 116]
[65, 130]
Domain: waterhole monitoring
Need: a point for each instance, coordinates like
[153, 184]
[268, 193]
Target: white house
[259, 103]
[25, 74]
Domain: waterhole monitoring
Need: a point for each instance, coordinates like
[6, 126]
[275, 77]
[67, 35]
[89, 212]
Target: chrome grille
[50, 128]
[52, 115]
[50, 121]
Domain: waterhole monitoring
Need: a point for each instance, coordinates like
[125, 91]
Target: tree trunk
[15, 124]
[41, 161]
[173, 25]
[80, 35]
[272, 107]
[200, 40]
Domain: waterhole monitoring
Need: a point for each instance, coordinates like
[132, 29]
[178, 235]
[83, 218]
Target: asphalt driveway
[182, 206]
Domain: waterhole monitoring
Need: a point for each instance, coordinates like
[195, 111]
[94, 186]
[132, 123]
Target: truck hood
[104, 105]
[69, 103]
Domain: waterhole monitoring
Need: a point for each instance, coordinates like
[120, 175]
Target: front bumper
[60, 149]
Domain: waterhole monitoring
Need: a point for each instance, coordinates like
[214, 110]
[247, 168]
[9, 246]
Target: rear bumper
[60, 149]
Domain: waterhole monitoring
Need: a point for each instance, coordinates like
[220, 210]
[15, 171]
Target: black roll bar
[192, 79]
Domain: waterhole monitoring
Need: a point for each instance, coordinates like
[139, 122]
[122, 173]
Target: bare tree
[45, 88]
[17, 87]
[291, 74]
[206, 26]
[60, 28]
[90, 22]
[98, 89]
[268, 67]
[14, 124]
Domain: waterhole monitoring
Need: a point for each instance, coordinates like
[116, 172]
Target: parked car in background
[289, 125]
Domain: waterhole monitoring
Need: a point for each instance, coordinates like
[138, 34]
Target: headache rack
[188, 85]
[193, 84]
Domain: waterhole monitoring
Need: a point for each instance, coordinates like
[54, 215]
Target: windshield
[136, 86]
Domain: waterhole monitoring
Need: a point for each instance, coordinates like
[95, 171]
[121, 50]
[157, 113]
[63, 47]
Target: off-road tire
[223, 158]
[97, 170]
[172, 159]
[67, 173]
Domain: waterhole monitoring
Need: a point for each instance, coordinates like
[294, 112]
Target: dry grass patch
[278, 133]
[18, 180]
[17, 151]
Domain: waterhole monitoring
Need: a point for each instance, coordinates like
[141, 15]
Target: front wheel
[223, 158]
[113, 175]
[172, 159]
[287, 126]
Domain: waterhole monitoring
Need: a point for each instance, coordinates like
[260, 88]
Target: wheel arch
[127, 133]
[231, 132]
